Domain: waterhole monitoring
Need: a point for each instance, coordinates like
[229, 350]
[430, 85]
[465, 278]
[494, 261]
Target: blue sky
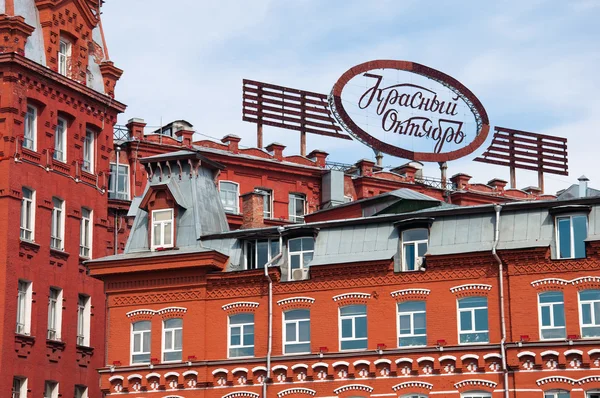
[533, 64]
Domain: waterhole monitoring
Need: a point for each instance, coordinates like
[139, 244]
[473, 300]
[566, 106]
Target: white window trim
[60, 221]
[91, 151]
[241, 345]
[551, 305]
[132, 338]
[294, 217]
[267, 194]
[84, 393]
[555, 392]
[162, 243]
[412, 324]
[557, 234]
[23, 387]
[237, 197]
[245, 251]
[472, 310]
[30, 228]
[116, 194]
[86, 230]
[301, 253]
[63, 58]
[58, 314]
[353, 338]
[595, 322]
[33, 125]
[164, 339]
[414, 243]
[27, 300]
[54, 392]
[61, 140]
[83, 336]
[297, 341]
[482, 394]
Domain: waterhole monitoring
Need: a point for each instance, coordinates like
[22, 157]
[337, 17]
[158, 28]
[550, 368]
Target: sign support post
[443, 169]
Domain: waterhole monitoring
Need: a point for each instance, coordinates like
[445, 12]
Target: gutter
[498, 208]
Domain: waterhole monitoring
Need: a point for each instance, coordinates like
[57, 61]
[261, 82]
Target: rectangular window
[296, 329]
[552, 316]
[162, 228]
[54, 313]
[57, 224]
[473, 320]
[81, 391]
[411, 324]
[241, 335]
[51, 389]
[172, 339]
[88, 151]
[140, 342]
[300, 253]
[297, 207]
[27, 214]
[414, 247]
[85, 238]
[24, 297]
[84, 318]
[30, 132]
[118, 182]
[259, 252]
[558, 394]
[64, 56]
[60, 140]
[19, 387]
[589, 308]
[267, 202]
[571, 232]
[229, 192]
[353, 327]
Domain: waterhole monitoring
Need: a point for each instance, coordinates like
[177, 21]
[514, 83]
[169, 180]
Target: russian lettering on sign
[409, 110]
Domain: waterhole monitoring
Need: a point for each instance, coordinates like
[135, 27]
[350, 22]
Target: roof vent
[583, 186]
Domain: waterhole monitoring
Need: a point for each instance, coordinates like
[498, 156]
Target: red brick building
[58, 114]
[423, 299]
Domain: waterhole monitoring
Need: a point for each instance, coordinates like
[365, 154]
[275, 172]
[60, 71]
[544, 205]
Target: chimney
[460, 180]
[186, 137]
[497, 184]
[252, 210]
[365, 166]
[232, 142]
[583, 186]
[408, 170]
[535, 191]
[136, 128]
[318, 156]
[276, 149]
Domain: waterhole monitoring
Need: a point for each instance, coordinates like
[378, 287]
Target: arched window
[473, 320]
[140, 342]
[476, 394]
[241, 335]
[557, 394]
[552, 315]
[296, 331]
[353, 327]
[589, 303]
[172, 339]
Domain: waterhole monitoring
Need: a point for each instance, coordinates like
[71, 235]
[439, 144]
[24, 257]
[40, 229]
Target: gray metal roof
[573, 192]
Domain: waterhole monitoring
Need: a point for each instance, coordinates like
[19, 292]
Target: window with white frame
[296, 329]
[593, 394]
[140, 342]
[347, 199]
[85, 237]
[57, 225]
[27, 214]
[258, 252]
[84, 318]
[118, 182]
[412, 329]
[89, 146]
[50, 389]
[414, 247]
[60, 140]
[557, 394]
[297, 207]
[552, 315]
[476, 394]
[267, 202]
[172, 339]
[64, 56]
[24, 296]
[473, 320]
[571, 232]
[413, 396]
[300, 253]
[30, 131]
[19, 387]
[81, 391]
[241, 335]
[162, 228]
[54, 313]
[589, 308]
[229, 192]
[353, 327]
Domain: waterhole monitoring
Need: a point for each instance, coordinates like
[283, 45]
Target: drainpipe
[498, 208]
[270, 309]
[116, 184]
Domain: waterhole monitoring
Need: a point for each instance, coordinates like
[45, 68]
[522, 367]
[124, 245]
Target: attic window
[162, 229]
[571, 232]
[414, 247]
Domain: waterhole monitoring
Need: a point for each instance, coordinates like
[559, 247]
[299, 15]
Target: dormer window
[162, 229]
[571, 232]
[259, 252]
[414, 247]
[64, 56]
[300, 254]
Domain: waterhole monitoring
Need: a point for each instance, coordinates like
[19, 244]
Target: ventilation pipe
[583, 185]
[498, 208]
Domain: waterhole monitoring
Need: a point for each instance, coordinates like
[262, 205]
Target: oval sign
[409, 110]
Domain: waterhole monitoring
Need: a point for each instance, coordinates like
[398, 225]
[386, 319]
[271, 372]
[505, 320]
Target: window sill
[475, 343]
[408, 347]
[60, 254]
[31, 155]
[354, 350]
[24, 338]
[56, 344]
[30, 245]
[82, 349]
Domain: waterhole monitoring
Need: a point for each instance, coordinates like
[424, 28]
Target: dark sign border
[481, 117]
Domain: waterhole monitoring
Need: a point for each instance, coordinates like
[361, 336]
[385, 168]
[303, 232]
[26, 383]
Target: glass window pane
[564, 237]
[354, 344]
[241, 318]
[409, 257]
[586, 313]
[146, 342]
[297, 314]
[295, 245]
[481, 319]
[554, 333]
[472, 302]
[235, 335]
[414, 234]
[405, 327]
[167, 237]
[290, 331]
[551, 297]
[308, 244]
[422, 249]
[178, 339]
[157, 234]
[306, 259]
[465, 320]
[137, 342]
[411, 306]
[249, 335]
[559, 314]
[419, 320]
[579, 235]
[162, 215]
[274, 248]
[360, 326]
[346, 328]
[142, 325]
[168, 340]
[262, 250]
[304, 331]
[297, 348]
[174, 323]
[546, 320]
[353, 310]
[295, 261]
[591, 294]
